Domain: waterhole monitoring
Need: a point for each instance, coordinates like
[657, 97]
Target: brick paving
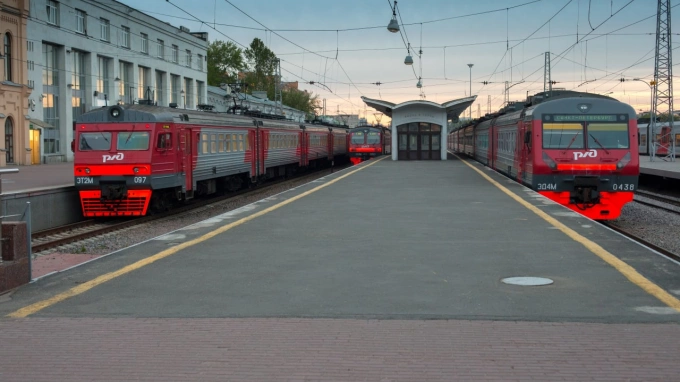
[110, 349]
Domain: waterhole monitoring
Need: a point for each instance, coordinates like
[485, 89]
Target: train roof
[150, 113]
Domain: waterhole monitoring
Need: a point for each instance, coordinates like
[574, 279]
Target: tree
[304, 101]
[225, 60]
[262, 64]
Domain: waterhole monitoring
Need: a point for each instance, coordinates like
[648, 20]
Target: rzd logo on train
[118, 156]
[587, 154]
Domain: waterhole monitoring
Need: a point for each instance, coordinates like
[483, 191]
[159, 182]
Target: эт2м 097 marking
[578, 149]
[130, 158]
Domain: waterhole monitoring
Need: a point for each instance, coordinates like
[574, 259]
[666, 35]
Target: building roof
[453, 108]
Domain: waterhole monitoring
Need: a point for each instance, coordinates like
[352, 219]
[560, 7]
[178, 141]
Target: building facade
[84, 54]
[14, 92]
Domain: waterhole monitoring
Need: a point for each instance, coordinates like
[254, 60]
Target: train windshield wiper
[598, 142]
[572, 141]
[130, 135]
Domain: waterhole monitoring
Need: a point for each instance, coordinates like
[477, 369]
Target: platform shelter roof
[453, 108]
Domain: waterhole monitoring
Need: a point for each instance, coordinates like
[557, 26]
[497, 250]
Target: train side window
[642, 138]
[245, 136]
[220, 143]
[234, 143]
[240, 142]
[677, 140]
[213, 143]
[204, 143]
[164, 141]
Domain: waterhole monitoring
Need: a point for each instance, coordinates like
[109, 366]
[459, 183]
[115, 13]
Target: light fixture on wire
[393, 26]
[420, 83]
[408, 60]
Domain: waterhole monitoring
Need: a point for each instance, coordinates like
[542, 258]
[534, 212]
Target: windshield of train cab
[373, 137]
[94, 141]
[585, 131]
[358, 137]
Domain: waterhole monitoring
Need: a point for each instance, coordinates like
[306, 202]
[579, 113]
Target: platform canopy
[453, 108]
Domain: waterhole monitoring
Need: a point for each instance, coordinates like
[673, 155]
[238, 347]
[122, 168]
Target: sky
[345, 45]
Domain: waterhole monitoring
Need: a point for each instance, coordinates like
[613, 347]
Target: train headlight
[115, 113]
[548, 160]
[136, 169]
[623, 162]
[87, 170]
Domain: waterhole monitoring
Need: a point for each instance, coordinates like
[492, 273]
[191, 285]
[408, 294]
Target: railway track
[640, 240]
[647, 198]
[73, 233]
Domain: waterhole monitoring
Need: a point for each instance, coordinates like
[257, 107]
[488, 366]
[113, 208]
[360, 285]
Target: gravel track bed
[659, 227]
[114, 241]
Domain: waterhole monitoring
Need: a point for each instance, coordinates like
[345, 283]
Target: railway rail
[73, 233]
[662, 202]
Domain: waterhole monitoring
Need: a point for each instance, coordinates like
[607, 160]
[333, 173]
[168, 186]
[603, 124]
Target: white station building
[419, 127]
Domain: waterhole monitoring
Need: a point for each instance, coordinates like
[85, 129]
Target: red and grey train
[133, 157]
[366, 142]
[577, 149]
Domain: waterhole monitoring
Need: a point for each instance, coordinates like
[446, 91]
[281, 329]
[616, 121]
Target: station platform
[660, 167]
[389, 270]
[38, 177]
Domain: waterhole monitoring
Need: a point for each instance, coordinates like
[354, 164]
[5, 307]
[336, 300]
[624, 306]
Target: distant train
[366, 142]
[578, 149]
[130, 158]
[665, 138]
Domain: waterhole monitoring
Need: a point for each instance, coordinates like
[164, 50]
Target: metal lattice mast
[547, 83]
[278, 98]
[488, 104]
[663, 78]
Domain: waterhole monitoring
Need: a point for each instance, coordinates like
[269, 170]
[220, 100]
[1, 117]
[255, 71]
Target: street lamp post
[652, 118]
[470, 66]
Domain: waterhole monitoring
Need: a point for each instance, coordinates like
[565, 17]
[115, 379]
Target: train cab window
[563, 135]
[134, 140]
[358, 137]
[373, 138]
[164, 141]
[94, 141]
[607, 136]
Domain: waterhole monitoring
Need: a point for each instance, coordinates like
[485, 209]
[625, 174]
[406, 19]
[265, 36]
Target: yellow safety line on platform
[82, 288]
[631, 274]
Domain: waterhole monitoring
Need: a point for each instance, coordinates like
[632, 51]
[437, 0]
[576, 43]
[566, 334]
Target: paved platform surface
[38, 177]
[660, 167]
[386, 271]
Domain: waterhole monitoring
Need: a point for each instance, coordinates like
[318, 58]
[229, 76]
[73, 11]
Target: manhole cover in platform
[527, 281]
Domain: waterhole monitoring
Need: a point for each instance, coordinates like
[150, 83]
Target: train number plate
[84, 180]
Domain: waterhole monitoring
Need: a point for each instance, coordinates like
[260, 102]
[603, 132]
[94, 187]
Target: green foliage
[225, 60]
[261, 64]
[304, 101]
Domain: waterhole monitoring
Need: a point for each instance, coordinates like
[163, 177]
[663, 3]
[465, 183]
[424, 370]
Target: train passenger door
[186, 162]
[331, 139]
[303, 148]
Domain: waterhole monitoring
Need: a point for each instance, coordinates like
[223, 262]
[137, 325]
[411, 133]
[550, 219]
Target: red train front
[366, 142]
[577, 149]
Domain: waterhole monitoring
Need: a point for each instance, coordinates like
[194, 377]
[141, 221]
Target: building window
[188, 63]
[103, 75]
[52, 12]
[78, 84]
[29, 46]
[125, 35]
[160, 51]
[175, 54]
[9, 140]
[160, 88]
[50, 99]
[104, 30]
[189, 100]
[126, 86]
[200, 87]
[145, 43]
[200, 62]
[81, 16]
[8, 57]
[175, 87]
[144, 83]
